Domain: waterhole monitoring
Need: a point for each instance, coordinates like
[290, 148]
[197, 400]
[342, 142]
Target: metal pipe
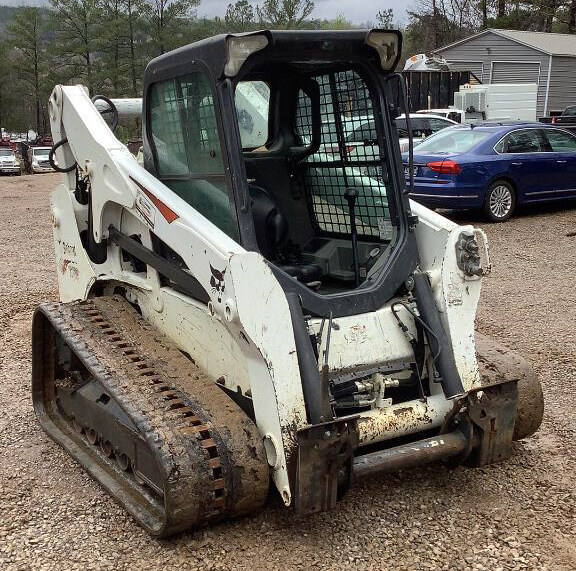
[439, 342]
[314, 386]
[127, 108]
[411, 455]
[403, 419]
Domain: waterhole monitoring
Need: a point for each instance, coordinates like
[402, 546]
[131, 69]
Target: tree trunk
[435, 38]
[132, 51]
[37, 80]
[501, 8]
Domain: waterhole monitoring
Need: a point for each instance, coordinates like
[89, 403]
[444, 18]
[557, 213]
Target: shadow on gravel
[524, 211]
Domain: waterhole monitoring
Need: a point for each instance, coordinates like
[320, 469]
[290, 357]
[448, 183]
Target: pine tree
[240, 17]
[78, 25]
[167, 22]
[26, 37]
[285, 14]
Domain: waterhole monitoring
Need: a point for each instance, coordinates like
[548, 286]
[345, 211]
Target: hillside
[24, 3]
[9, 7]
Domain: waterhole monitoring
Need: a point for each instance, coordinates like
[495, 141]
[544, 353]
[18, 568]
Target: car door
[527, 163]
[562, 156]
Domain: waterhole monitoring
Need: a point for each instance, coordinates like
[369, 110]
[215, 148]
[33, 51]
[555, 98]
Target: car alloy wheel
[500, 201]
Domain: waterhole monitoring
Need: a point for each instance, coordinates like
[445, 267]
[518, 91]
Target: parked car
[38, 158]
[456, 115]
[566, 119]
[360, 137]
[364, 134]
[494, 167]
[8, 162]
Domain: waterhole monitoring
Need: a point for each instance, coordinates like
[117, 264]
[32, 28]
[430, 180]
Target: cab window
[187, 148]
[252, 110]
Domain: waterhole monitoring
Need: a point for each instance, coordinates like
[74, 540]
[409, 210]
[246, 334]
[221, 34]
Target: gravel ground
[517, 515]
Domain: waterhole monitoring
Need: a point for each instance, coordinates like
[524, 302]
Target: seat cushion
[304, 272]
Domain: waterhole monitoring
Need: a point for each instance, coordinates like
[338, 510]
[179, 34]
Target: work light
[240, 48]
[387, 46]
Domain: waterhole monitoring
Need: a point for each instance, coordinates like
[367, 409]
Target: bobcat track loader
[261, 302]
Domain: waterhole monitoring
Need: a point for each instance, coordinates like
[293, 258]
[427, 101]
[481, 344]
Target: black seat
[272, 236]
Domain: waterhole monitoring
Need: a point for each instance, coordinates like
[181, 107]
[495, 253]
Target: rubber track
[208, 450]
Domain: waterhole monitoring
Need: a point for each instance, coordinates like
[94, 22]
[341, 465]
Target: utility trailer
[246, 308]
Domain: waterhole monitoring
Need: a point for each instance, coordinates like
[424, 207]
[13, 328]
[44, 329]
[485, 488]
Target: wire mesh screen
[184, 126]
[349, 157]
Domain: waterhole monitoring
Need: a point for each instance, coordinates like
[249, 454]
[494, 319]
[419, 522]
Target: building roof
[552, 44]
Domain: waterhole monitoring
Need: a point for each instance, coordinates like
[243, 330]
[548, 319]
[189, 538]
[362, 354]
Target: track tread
[205, 445]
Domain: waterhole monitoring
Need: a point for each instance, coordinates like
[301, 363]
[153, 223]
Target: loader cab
[255, 132]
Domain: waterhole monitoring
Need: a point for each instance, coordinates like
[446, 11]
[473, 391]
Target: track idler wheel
[497, 363]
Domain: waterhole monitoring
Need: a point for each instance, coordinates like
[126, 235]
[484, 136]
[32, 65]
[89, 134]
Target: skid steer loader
[261, 301]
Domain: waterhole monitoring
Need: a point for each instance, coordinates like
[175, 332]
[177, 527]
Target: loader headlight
[387, 44]
[472, 254]
[240, 48]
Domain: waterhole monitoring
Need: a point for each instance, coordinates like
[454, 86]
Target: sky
[357, 11]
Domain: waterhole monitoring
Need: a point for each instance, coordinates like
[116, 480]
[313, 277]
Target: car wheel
[500, 201]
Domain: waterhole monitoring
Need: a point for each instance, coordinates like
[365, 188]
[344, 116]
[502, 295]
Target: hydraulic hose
[314, 386]
[438, 340]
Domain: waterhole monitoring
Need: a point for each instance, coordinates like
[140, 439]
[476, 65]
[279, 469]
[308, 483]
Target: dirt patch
[517, 515]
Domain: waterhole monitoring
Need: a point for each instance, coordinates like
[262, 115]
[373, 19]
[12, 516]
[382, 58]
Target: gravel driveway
[517, 515]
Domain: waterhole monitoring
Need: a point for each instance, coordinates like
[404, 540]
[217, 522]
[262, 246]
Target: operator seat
[271, 229]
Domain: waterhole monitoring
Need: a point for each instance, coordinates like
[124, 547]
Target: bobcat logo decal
[217, 282]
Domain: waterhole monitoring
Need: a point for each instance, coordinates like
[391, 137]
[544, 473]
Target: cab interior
[304, 178]
[321, 208]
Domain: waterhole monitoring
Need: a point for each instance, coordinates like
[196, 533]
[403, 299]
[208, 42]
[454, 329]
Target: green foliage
[166, 22]
[79, 27]
[240, 17]
[338, 23]
[385, 19]
[27, 37]
[285, 14]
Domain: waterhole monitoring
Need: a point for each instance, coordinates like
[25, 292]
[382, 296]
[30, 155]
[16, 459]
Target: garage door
[474, 66]
[515, 72]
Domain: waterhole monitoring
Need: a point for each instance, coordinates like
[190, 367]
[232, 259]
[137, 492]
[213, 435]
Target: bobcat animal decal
[217, 282]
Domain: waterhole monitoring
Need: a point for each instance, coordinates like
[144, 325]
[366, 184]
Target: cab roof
[286, 45]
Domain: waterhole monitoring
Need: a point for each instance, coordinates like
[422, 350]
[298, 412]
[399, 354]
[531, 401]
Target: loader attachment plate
[325, 464]
[165, 441]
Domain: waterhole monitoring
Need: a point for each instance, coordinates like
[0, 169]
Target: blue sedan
[494, 167]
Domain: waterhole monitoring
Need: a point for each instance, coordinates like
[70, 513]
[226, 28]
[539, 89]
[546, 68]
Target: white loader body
[243, 336]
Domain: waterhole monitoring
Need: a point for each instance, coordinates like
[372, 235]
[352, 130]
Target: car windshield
[6, 153]
[569, 111]
[41, 152]
[453, 141]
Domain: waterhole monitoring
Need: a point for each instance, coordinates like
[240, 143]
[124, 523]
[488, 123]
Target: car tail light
[335, 149]
[445, 167]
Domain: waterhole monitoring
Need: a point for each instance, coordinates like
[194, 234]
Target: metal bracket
[325, 464]
[487, 414]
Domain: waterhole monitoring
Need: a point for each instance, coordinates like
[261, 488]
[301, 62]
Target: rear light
[553, 120]
[445, 167]
[335, 149]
